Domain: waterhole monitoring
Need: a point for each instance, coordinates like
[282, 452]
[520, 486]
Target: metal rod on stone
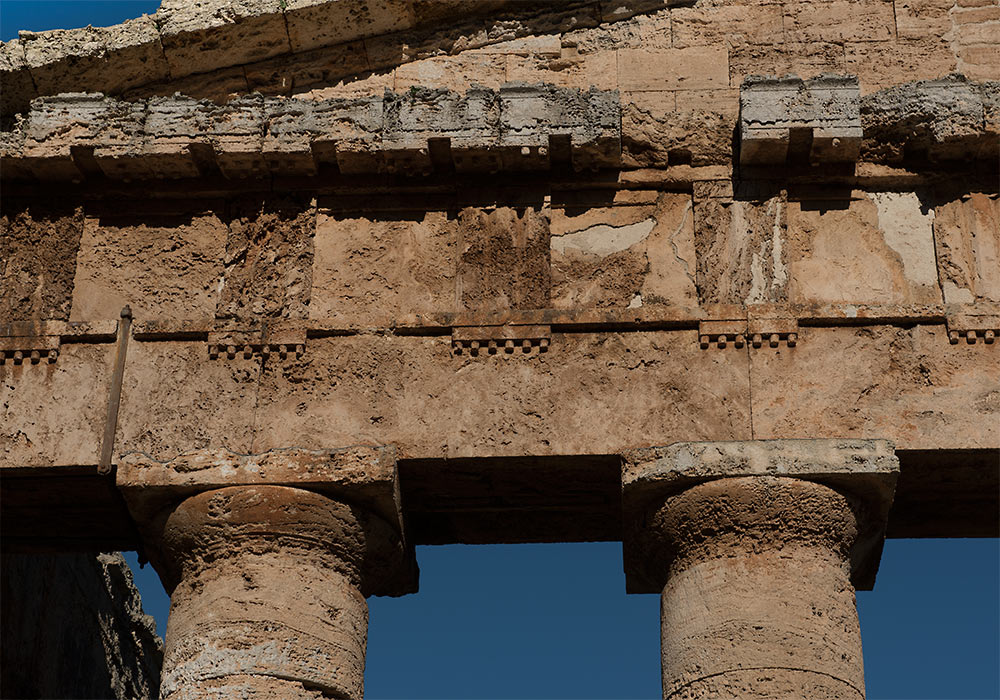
[114, 398]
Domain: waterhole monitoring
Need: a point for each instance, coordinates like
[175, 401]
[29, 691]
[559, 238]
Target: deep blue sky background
[553, 621]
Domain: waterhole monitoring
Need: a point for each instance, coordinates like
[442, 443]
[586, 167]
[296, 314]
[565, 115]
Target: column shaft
[759, 602]
[268, 604]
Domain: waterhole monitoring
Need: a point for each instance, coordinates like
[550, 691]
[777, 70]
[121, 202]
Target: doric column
[268, 559]
[756, 549]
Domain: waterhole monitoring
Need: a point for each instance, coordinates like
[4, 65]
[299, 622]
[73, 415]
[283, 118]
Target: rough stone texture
[37, 431]
[775, 113]
[633, 387]
[653, 133]
[73, 627]
[385, 265]
[939, 120]
[269, 261]
[175, 399]
[879, 249]
[165, 266]
[904, 384]
[38, 248]
[269, 590]
[759, 583]
[742, 250]
[967, 240]
[624, 256]
[504, 261]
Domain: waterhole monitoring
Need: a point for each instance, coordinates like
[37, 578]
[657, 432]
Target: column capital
[863, 470]
[362, 476]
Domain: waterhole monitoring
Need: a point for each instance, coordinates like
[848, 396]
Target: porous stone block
[879, 64]
[163, 266]
[380, 268]
[534, 119]
[967, 243]
[839, 21]
[66, 57]
[693, 68]
[173, 126]
[655, 132]
[349, 133]
[120, 141]
[453, 72]
[176, 399]
[804, 59]
[135, 56]
[37, 431]
[727, 24]
[236, 132]
[937, 120]
[269, 260]
[316, 23]
[56, 127]
[469, 124]
[879, 249]
[625, 256]
[742, 249]
[504, 259]
[202, 36]
[38, 249]
[635, 386]
[824, 111]
[908, 385]
[581, 71]
[18, 87]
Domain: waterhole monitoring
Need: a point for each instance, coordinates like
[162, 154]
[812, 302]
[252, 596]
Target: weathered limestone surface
[626, 256]
[590, 394]
[879, 249]
[905, 384]
[163, 265]
[504, 260]
[35, 430]
[370, 265]
[774, 113]
[73, 627]
[38, 247]
[757, 547]
[967, 240]
[269, 261]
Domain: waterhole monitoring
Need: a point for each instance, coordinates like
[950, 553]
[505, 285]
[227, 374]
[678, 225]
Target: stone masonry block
[64, 57]
[779, 114]
[535, 119]
[349, 133]
[937, 120]
[469, 124]
[202, 36]
[865, 469]
[173, 126]
[18, 88]
[58, 125]
[316, 23]
[119, 142]
[236, 133]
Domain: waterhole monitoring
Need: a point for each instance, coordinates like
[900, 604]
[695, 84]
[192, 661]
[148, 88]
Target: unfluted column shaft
[269, 603]
[758, 601]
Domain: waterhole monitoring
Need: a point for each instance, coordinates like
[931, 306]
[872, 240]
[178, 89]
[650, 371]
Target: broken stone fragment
[782, 118]
[935, 120]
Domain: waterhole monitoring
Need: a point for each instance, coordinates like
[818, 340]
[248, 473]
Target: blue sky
[553, 621]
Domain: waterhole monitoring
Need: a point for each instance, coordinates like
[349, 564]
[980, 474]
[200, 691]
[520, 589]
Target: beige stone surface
[805, 59]
[759, 603]
[967, 240]
[573, 70]
[38, 249]
[624, 256]
[268, 591]
[53, 414]
[384, 267]
[694, 68]
[733, 25]
[879, 249]
[176, 399]
[880, 64]
[269, 260]
[591, 393]
[839, 21]
[165, 266]
[742, 249]
[656, 131]
[453, 72]
[504, 259]
[908, 385]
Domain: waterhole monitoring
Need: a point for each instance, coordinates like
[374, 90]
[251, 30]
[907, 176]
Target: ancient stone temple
[292, 286]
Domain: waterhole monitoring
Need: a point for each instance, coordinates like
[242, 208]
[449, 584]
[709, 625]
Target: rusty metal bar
[114, 398]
